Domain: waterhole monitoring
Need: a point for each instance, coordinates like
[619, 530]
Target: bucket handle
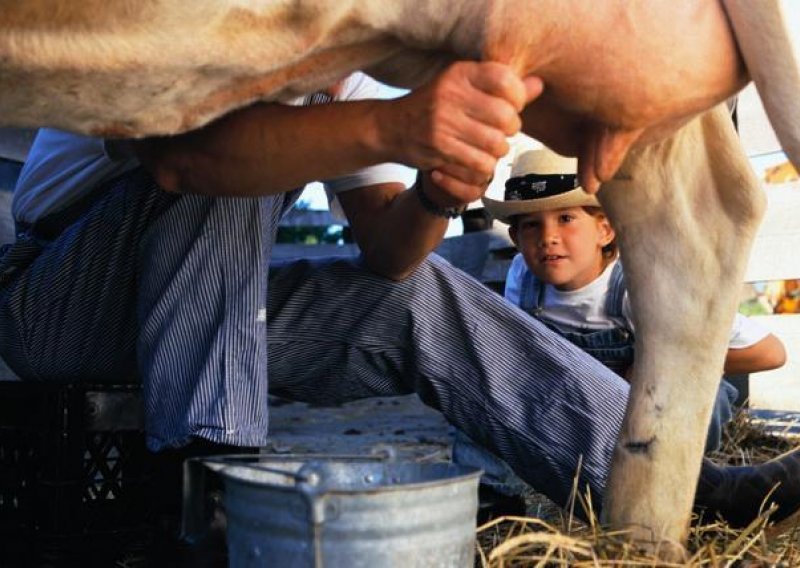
[310, 477]
[219, 465]
[195, 510]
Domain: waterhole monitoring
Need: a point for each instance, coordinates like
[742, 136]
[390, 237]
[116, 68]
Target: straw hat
[540, 180]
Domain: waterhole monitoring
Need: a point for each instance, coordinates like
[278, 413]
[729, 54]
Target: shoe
[740, 494]
[492, 504]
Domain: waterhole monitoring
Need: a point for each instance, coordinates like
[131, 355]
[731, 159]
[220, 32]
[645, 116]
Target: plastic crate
[77, 485]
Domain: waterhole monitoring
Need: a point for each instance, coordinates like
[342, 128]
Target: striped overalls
[613, 347]
[179, 292]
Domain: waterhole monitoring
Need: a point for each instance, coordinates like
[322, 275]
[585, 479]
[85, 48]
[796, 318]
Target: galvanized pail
[349, 513]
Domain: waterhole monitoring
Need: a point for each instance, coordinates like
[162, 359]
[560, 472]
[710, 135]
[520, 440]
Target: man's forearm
[396, 237]
[395, 229]
[455, 126]
[268, 149]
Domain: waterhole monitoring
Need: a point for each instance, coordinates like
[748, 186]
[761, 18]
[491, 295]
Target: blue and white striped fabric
[338, 332]
[334, 331]
[66, 307]
[202, 318]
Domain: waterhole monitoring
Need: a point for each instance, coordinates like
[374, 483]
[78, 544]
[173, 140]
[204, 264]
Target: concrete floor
[402, 422]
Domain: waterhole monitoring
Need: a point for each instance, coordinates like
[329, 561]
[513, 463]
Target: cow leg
[686, 211]
[765, 33]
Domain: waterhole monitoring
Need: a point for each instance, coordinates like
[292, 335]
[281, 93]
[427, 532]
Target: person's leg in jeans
[337, 332]
[721, 414]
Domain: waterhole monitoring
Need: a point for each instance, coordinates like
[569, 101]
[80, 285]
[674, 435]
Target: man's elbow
[399, 276]
[393, 274]
[397, 272]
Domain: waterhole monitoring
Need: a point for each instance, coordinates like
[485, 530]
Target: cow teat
[602, 151]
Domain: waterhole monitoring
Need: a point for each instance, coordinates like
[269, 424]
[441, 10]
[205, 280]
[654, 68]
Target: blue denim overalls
[613, 347]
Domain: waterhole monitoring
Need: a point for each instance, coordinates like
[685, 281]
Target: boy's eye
[566, 217]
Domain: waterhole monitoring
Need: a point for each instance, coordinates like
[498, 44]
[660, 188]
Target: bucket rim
[461, 474]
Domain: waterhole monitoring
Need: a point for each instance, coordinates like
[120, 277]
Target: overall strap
[616, 292]
[531, 292]
[540, 296]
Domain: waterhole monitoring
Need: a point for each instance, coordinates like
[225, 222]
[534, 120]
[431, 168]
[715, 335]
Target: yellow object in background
[782, 173]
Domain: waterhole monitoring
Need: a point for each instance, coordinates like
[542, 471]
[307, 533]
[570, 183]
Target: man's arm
[392, 228]
[455, 128]
[456, 125]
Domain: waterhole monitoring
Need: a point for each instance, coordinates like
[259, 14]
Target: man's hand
[457, 126]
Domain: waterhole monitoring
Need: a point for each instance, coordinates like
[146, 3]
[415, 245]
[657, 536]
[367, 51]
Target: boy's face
[563, 247]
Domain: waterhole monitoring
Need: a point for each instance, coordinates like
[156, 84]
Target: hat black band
[533, 186]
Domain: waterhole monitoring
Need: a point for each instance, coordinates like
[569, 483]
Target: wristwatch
[431, 207]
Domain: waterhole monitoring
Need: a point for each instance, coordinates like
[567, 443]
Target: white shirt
[62, 167]
[584, 309]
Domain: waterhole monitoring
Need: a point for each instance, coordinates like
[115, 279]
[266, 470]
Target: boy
[568, 276]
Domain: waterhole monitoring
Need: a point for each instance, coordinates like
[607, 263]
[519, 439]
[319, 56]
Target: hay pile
[555, 538]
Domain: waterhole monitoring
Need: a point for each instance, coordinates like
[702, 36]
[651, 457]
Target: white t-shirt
[62, 167]
[585, 309]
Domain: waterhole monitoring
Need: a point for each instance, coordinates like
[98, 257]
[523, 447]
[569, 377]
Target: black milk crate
[76, 481]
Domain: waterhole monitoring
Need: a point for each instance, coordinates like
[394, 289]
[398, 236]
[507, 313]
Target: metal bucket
[292, 512]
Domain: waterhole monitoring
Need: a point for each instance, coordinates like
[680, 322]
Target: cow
[627, 87]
